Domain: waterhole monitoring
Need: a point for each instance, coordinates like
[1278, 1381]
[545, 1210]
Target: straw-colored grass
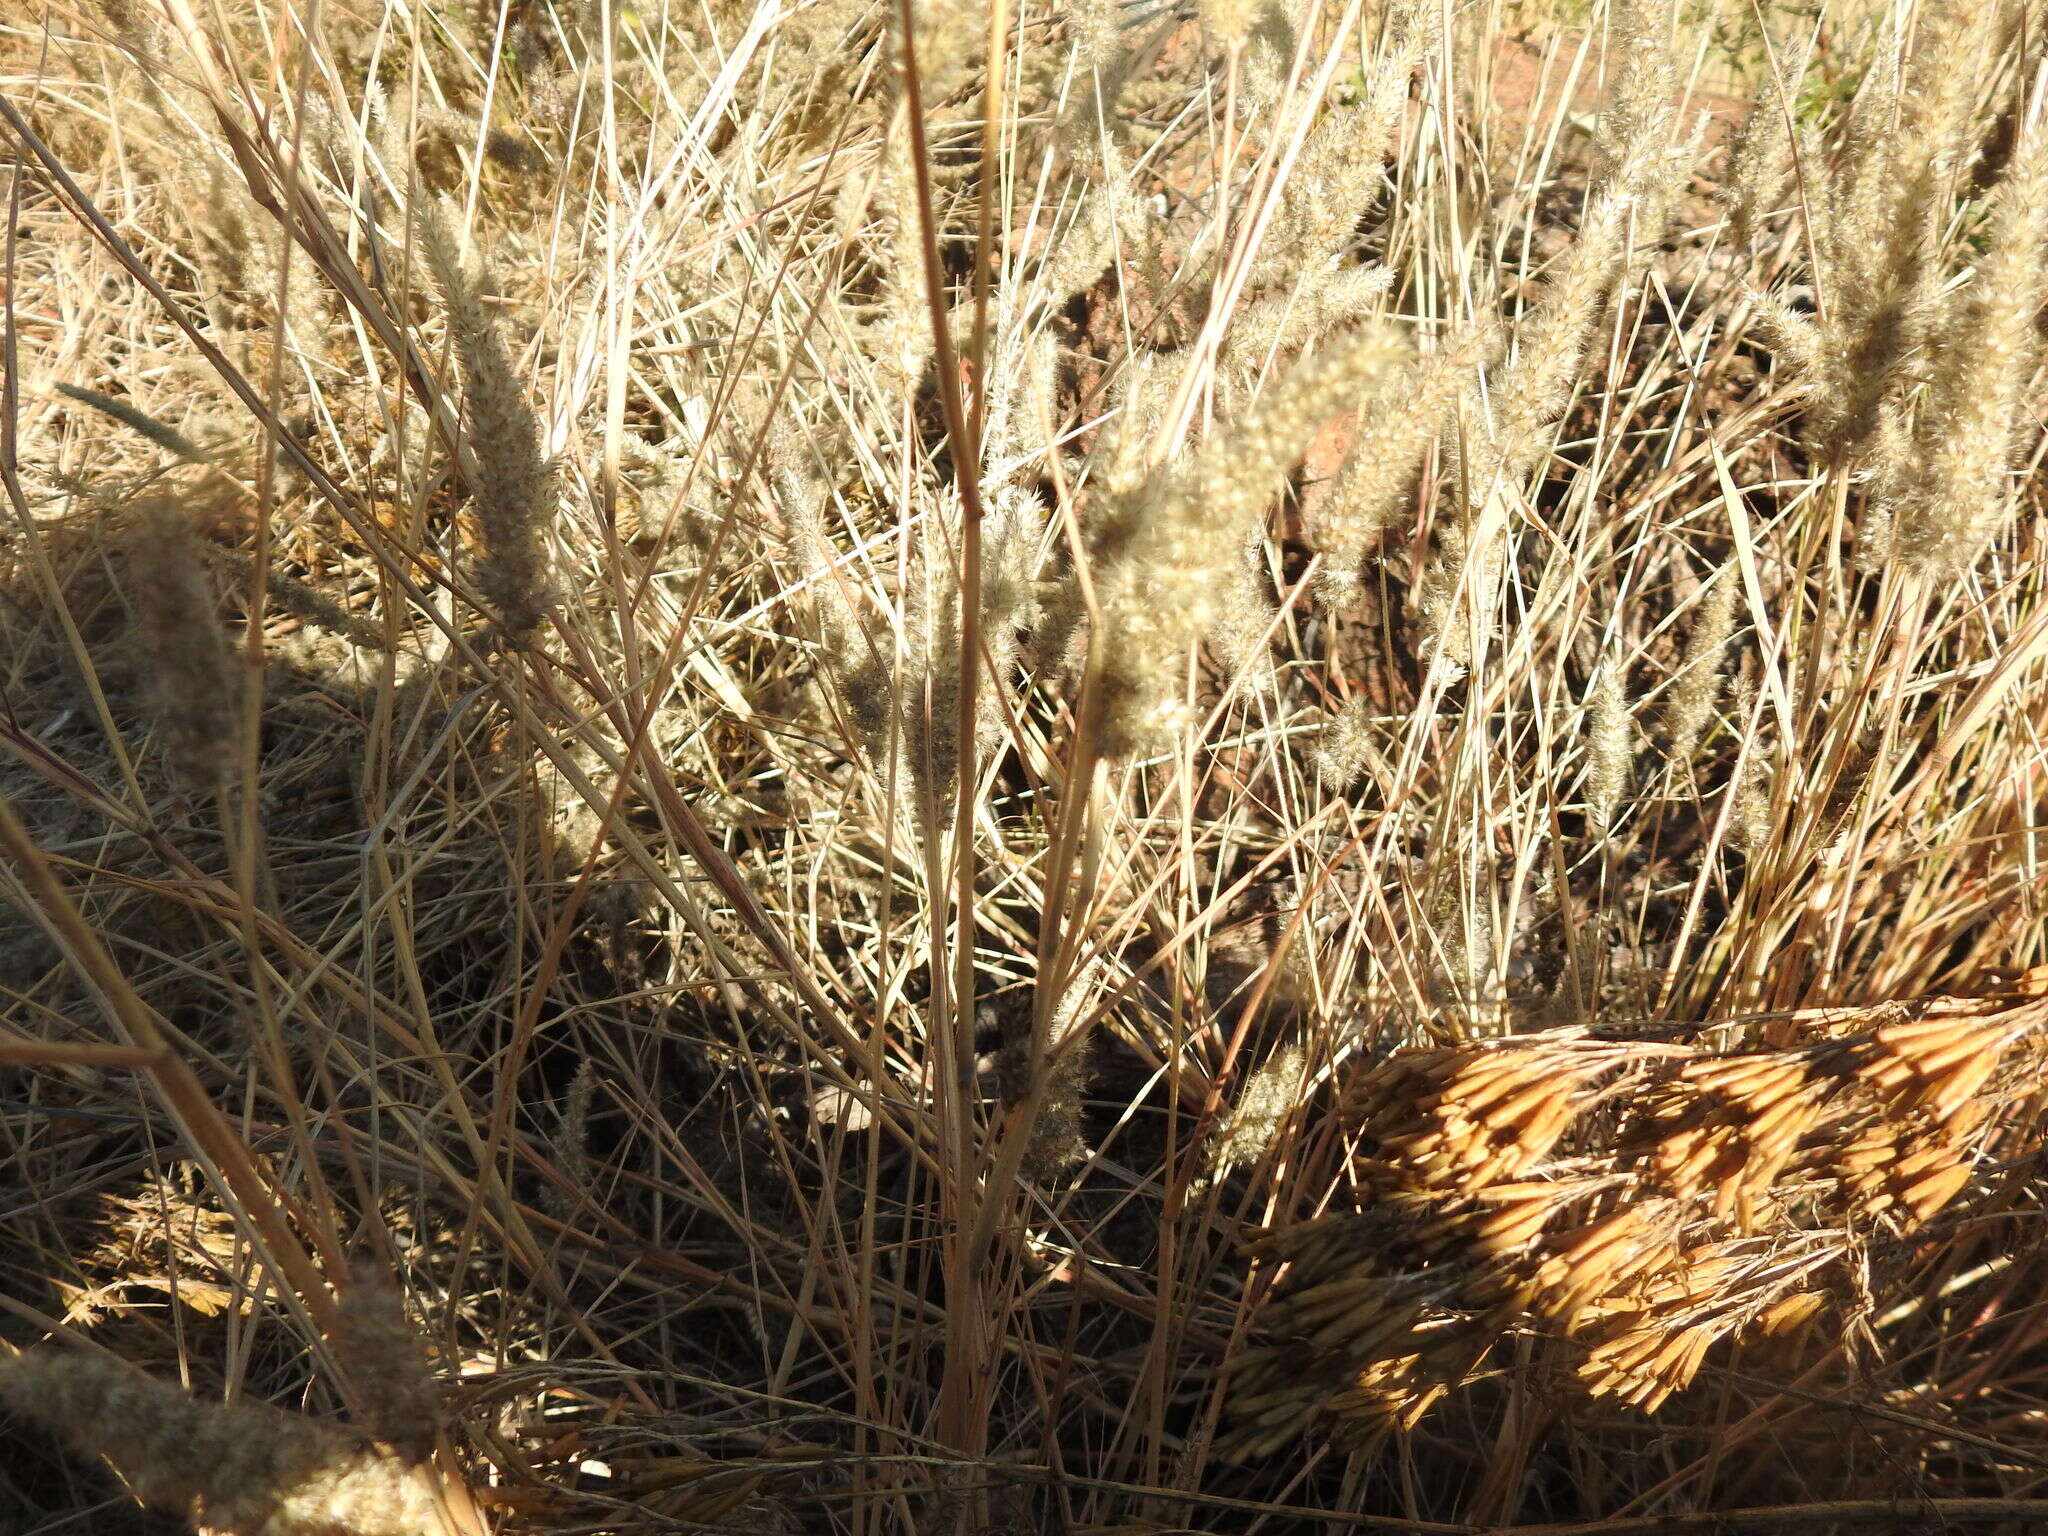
[1627, 1204]
[916, 766]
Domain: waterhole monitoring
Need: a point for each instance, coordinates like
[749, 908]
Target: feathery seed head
[238, 1469]
[1945, 494]
[376, 1344]
[1348, 748]
[193, 680]
[1226, 23]
[1269, 1096]
[1056, 1141]
[1378, 475]
[1610, 747]
[514, 485]
[947, 37]
[904, 335]
[1166, 552]
[1690, 704]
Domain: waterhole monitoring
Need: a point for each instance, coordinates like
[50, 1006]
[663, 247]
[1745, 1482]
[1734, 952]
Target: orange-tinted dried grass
[1709, 1203]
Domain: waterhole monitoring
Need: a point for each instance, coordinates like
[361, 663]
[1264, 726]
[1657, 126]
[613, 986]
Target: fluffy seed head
[192, 675]
[236, 1469]
[376, 1344]
[1166, 553]
[1690, 704]
[1610, 747]
[1947, 482]
[1269, 1096]
[514, 488]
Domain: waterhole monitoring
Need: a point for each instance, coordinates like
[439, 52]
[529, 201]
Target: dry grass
[1638, 1202]
[917, 767]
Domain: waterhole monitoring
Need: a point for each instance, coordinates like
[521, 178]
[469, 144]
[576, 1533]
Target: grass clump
[952, 767]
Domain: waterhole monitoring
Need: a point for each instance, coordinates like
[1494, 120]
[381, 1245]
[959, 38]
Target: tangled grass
[863, 766]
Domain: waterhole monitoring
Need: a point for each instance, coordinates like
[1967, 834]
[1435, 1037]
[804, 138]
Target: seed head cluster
[1166, 551]
[1639, 1204]
[1644, 158]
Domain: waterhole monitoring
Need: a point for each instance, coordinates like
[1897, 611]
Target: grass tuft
[945, 767]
